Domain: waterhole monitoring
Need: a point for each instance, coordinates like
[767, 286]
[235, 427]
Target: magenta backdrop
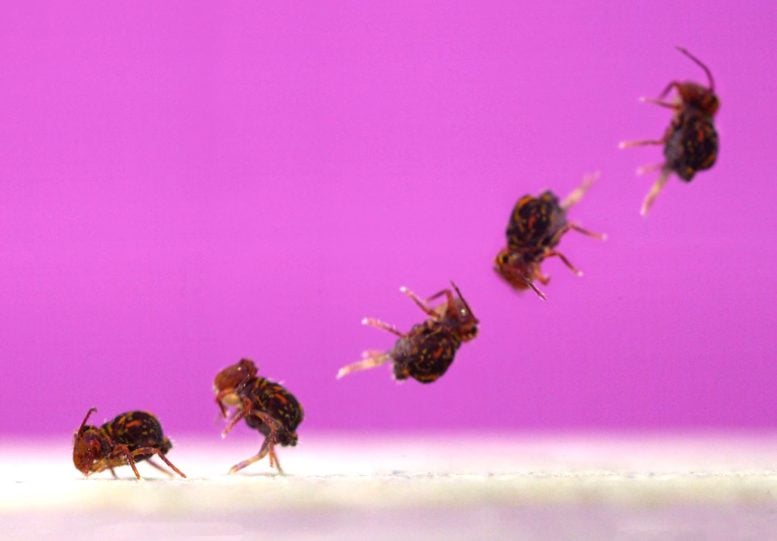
[182, 185]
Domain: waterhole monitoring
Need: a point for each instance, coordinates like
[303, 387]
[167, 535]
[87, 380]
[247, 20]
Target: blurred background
[183, 185]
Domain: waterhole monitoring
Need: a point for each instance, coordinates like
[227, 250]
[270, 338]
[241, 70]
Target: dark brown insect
[265, 405]
[131, 437]
[426, 351]
[690, 142]
[534, 230]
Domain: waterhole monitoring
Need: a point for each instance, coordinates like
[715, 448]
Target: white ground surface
[451, 487]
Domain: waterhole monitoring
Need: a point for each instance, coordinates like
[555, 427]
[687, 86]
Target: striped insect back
[534, 224]
[426, 353]
[272, 398]
[691, 143]
[137, 429]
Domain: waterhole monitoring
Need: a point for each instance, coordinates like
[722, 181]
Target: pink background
[182, 185]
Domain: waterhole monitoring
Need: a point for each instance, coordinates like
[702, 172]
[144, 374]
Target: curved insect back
[282, 405]
[136, 429]
[534, 223]
[429, 355]
[691, 145]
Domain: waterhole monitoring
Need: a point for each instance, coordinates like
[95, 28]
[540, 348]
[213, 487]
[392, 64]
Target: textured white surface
[410, 487]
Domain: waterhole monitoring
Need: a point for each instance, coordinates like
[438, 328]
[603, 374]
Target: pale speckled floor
[450, 487]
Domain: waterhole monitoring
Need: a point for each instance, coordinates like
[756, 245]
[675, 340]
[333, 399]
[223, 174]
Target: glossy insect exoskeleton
[131, 437]
[690, 142]
[265, 405]
[534, 229]
[425, 352]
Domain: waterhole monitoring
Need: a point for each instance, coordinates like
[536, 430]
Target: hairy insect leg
[267, 446]
[113, 472]
[417, 300]
[630, 144]
[378, 324]
[237, 417]
[447, 292]
[577, 194]
[151, 462]
[669, 87]
[371, 359]
[274, 463]
[645, 169]
[658, 185]
[256, 458]
[655, 101]
[563, 258]
[158, 452]
[127, 454]
[586, 232]
[219, 397]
